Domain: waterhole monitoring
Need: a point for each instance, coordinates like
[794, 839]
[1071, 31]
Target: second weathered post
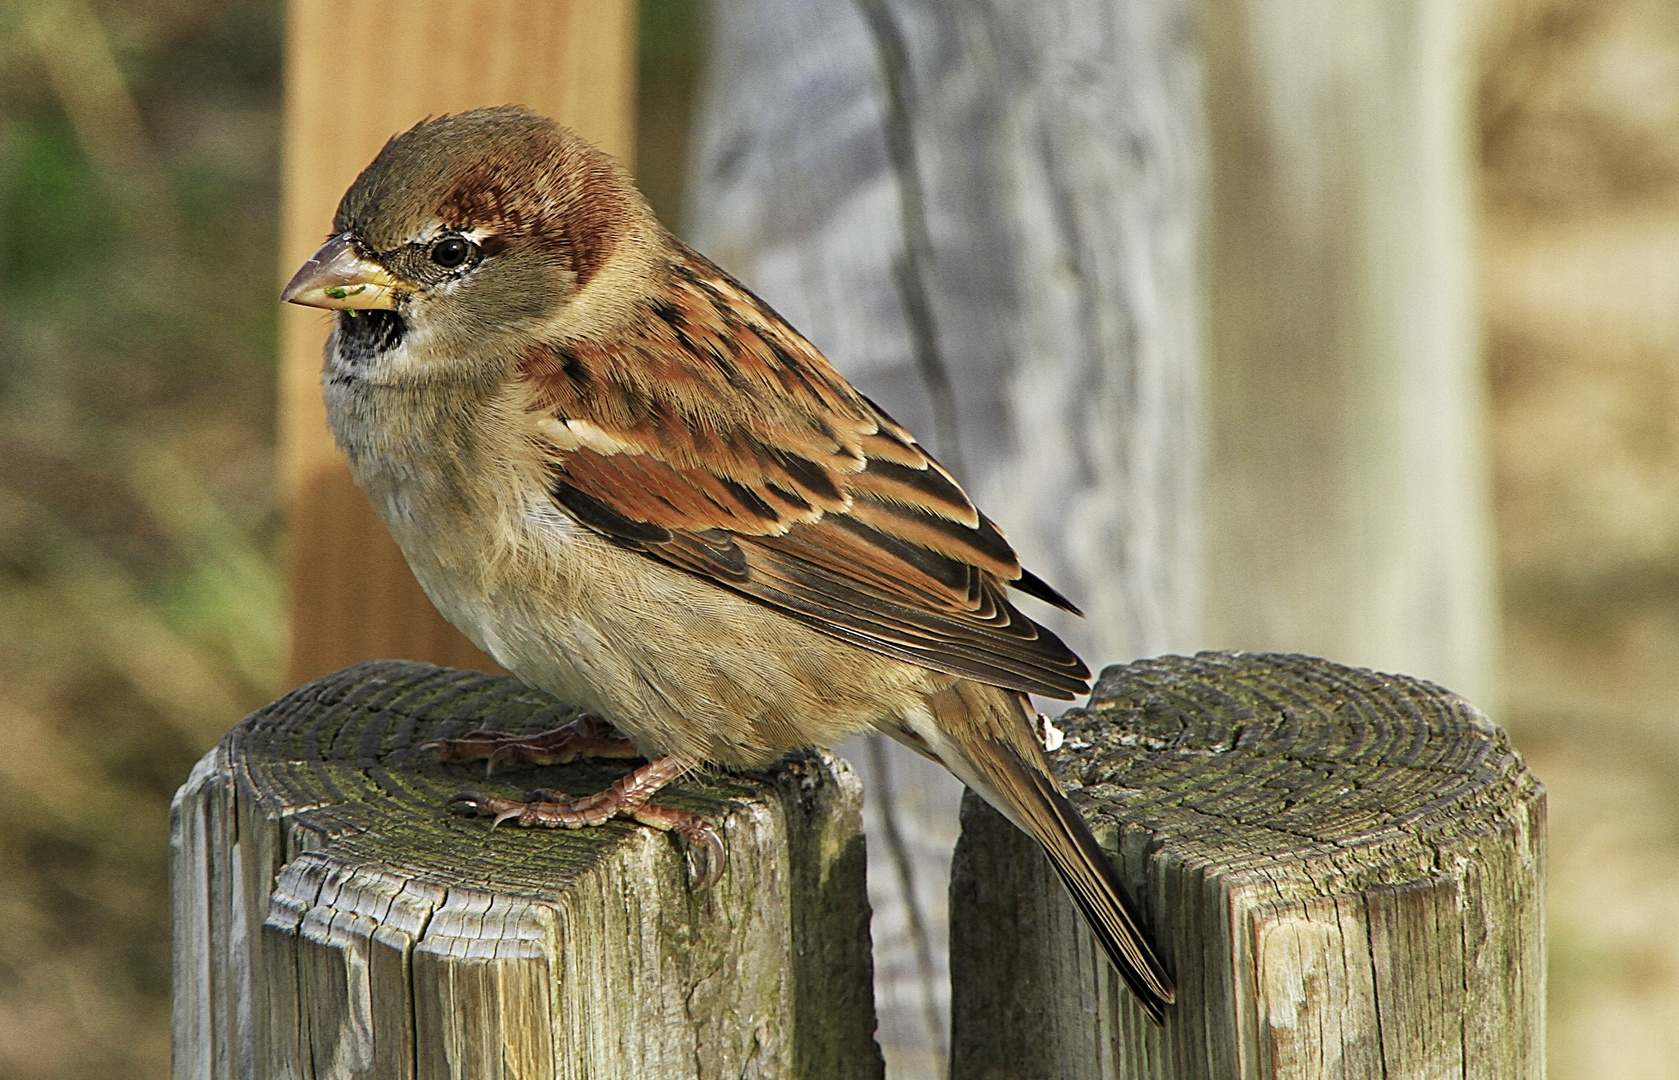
[1343, 870]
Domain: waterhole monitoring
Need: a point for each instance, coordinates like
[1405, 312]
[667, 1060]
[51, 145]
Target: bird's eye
[451, 251]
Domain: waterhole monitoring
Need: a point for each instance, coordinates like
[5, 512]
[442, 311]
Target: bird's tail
[990, 730]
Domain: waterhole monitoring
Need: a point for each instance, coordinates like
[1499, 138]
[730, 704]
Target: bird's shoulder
[713, 437]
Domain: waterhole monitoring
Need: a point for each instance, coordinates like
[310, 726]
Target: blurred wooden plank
[1058, 153]
[1347, 502]
[358, 72]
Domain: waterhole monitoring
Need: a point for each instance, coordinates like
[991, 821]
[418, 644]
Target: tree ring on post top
[1335, 864]
[1243, 760]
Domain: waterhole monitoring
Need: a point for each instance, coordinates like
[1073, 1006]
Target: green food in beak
[338, 276]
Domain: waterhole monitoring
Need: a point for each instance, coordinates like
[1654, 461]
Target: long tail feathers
[1004, 764]
[1096, 889]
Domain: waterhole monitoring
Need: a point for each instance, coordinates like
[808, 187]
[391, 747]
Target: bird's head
[479, 232]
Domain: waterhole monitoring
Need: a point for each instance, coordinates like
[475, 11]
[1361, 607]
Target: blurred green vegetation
[139, 526]
[670, 45]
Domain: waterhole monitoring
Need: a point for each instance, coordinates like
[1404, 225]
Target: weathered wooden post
[358, 72]
[333, 919]
[988, 213]
[1343, 869]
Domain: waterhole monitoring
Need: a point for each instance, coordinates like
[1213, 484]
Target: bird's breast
[677, 662]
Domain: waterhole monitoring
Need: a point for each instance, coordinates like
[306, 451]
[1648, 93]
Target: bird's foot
[629, 797]
[586, 736]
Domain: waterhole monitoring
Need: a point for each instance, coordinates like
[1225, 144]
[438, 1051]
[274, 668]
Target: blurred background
[141, 536]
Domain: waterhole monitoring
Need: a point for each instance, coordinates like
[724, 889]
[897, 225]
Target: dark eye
[451, 251]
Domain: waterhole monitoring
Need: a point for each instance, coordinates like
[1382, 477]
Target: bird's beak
[338, 276]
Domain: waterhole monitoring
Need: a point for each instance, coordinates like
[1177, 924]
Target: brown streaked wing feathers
[725, 445]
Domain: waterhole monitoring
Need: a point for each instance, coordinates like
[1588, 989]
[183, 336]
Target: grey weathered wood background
[1344, 870]
[1348, 503]
[334, 920]
[1099, 180]
[1058, 153]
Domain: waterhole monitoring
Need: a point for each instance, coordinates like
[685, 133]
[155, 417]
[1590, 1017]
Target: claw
[504, 753]
[706, 855]
[472, 744]
[498, 810]
[480, 803]
[705, 848]
[587, 736]
[548, 808]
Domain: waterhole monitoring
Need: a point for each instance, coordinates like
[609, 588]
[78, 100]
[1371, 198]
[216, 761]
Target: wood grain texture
[358, 72]
[1061, 157]
[333, 919]
[1060, 162]
[1344, 871]
[1347, 494]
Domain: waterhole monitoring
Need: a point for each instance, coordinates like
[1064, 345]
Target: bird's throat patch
[363, 335]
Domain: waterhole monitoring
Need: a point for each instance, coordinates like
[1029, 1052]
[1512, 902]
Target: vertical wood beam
[1346, 492]
[1054, 155]
[358, 72]
[1058, 156]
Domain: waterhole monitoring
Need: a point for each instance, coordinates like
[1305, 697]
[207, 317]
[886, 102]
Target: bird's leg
[629, 797]
[586, 736]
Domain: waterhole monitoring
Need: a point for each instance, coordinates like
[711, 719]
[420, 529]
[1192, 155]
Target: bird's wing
[717, 440]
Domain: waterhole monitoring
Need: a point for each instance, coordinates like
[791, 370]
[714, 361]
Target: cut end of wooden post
[1336, 865]
[334, 918]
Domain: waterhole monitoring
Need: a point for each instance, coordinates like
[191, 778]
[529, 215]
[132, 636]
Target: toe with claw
[628, 797]
[705, 846]
[587, 736]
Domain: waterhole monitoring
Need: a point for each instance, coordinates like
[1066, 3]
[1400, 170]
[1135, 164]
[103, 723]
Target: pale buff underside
[679, 664]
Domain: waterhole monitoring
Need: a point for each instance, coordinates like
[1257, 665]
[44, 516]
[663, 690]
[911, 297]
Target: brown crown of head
[518, 177]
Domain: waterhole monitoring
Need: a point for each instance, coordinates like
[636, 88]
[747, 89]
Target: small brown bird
[633, 484]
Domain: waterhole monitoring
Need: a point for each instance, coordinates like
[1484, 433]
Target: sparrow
[632, 483]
